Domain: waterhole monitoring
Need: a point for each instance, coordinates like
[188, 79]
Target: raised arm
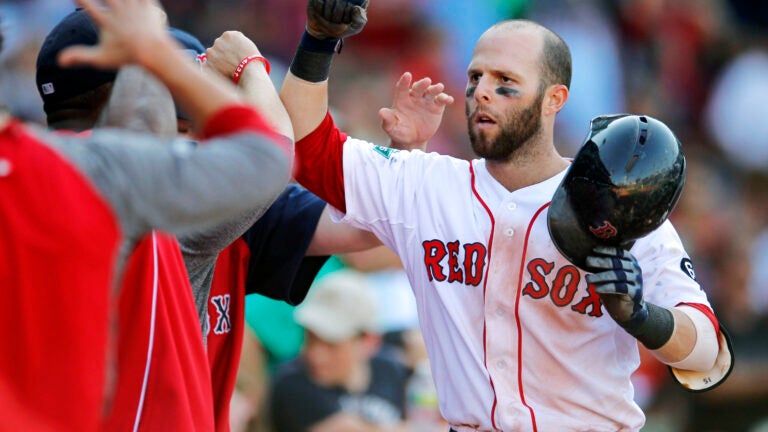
[235, 57]
[176, 187]
[305, 88]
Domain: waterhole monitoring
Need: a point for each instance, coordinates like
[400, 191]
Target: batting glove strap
[653, 327]
[313, 58]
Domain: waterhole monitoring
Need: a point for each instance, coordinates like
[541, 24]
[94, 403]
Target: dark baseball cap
[56, 84]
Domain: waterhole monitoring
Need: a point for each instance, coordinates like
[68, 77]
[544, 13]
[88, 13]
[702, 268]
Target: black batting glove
[619, 281]
[336, 19]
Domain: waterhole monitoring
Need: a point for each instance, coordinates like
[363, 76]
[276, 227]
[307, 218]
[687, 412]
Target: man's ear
[554, 99]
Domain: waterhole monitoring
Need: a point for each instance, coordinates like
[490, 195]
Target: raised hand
[416, 112]
[619, 281]
[228, 51]
[129, 31]
[336, 19]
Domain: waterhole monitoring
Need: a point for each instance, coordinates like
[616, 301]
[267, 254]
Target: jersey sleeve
[371, 187]
[668, 275]
[278, 242]
[383, 187]
[319, 162]
[178, 187]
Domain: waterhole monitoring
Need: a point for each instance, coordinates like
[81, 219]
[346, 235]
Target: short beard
[516, 131]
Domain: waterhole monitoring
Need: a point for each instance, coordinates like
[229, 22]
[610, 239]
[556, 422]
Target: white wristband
[704, 353]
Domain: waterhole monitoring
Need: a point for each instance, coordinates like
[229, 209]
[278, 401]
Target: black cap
[55, 83]
[194, 48]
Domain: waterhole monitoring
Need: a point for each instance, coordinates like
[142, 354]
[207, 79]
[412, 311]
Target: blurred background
[699, 65]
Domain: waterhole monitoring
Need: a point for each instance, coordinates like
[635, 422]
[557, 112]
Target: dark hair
[556, 60]
[556, 56]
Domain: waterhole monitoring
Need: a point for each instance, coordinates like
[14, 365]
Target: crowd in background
[699, 65]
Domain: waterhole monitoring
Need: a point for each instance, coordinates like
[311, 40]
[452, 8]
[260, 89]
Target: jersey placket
[504, 335]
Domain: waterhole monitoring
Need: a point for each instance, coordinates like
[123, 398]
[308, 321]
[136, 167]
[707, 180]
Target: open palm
[416, 112]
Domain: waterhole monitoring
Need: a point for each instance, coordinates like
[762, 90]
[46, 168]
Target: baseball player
[517, 336]
[74, 206]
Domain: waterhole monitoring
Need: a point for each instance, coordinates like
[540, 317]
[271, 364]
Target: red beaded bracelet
[241, 67]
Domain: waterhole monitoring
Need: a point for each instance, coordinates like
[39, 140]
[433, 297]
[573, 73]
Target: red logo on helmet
[605, 231]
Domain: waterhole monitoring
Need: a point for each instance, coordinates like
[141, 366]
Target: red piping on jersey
[151, 344]
[517, 318]
[485, 285]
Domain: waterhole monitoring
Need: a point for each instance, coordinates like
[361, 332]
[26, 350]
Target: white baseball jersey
[516, 339]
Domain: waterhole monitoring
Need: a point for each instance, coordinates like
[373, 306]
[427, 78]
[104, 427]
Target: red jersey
[226, 318]
[59, 242]
[269, 259]
[163, 381]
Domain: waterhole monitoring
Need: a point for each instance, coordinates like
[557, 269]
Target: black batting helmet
[623, 183]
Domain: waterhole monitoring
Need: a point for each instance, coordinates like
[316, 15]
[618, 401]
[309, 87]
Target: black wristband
[312, 61]
[655, 331]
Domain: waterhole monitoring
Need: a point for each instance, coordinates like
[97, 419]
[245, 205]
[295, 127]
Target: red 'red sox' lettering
[563, 289]
[470, 272]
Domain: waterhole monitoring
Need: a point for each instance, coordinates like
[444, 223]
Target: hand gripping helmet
[623, 183]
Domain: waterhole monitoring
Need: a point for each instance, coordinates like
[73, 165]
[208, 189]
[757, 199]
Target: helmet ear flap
[623, 183]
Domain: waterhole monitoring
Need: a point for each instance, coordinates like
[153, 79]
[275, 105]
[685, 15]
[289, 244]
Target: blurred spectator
[338, 383]
[733, 112]
[739, 404]
[597, 86]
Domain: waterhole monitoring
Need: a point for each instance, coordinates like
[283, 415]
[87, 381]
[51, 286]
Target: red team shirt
[56, 267]
[82, 355]
[162, 381]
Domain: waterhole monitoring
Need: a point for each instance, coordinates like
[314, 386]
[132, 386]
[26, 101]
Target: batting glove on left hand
[336, 19]
[619, 281]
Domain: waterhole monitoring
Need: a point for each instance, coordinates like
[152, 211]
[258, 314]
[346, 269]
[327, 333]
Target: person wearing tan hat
[338, 382]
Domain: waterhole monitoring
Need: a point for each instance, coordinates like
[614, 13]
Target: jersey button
[501, 364]
[500, 312]
[509, 232]
[512, 206]
[5, 167]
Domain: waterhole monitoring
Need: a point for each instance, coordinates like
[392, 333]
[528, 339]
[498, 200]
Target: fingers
[606, 257]
[403, 84]
[609, 251]
[79, 55]
[388, 118]
[607, 277]
[444, 99]
[419, 88]
[424, 89]
[359, 18]
[95, 10]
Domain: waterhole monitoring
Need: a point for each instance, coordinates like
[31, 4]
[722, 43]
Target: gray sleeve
[176, 186]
